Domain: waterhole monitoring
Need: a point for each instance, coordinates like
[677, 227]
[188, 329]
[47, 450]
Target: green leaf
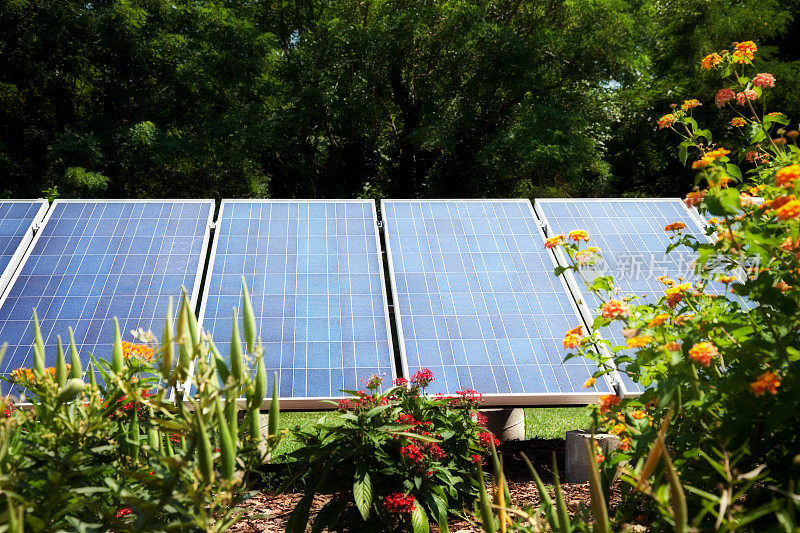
[725, 202]
[419, 520]
[362, 490]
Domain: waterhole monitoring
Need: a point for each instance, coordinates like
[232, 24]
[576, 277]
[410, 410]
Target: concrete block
[506, 424]
[578, 467]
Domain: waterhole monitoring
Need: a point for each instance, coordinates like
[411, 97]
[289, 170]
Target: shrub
[718, 355]
[392, 459]
[120, 454]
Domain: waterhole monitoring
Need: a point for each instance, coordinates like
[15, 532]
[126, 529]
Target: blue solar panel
[315, 276]
[477, 303]
[630, 233]
[95, 260]
[17, 218]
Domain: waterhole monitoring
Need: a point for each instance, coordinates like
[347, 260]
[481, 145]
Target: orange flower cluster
[674, 294]
[608, 401]
[703, 352]
[790, 209]
[140, 351]
[786, 176]
[690, 104]
[552, 242]
[658, 320]
[586, 256]
[748, 94]
[589, 383]
[666, 280]
[744, 52]
[26, 374]
[666, 121]
[639, 341]
[766, 382]
[788, 245]
[578, 235]
[711, 61]
[675, 226]
[615, 308]
[573, 338]
[738, 122]
[694, 198]
[726, 279]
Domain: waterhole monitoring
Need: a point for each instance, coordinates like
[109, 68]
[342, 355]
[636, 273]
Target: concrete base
[578, 467]
[506, 424]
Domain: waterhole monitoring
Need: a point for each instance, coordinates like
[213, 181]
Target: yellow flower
[578, 235]
[738, 122]
[690, 104]
[658, 320]
[744, 52]
[552, 242]
[589, 383]
[666, 121]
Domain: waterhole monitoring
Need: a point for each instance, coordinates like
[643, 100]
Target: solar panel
[630, 234]
[477, 303]
[315, 276]
[95, 260]
[17, 218]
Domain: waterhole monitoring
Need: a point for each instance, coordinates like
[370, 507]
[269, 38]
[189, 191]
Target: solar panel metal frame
[497, 399]
[15, 262]
[296, 402]
[580, 299]
[201, 258]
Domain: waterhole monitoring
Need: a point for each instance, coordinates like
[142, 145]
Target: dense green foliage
[130, 451]
[395, 460]
[342, 98]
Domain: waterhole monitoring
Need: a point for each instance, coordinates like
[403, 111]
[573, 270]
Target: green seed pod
[249, 319]
[154, 438]
[255, 426]
[232, 414]
[274, 408]
[219, 363]
[70, 390]
[227, 449]
[117, 359]
[167, 348]
[237, 357]
[75, 369]
[38, 347]
[191, 320]
[205, 454]
[259, 385]
[61, 365]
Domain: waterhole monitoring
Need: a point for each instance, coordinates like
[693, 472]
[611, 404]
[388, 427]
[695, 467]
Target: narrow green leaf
[561, 506]
[599, 509]
[227, 447]
[487, 515]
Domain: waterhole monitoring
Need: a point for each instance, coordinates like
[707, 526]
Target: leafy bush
[121, 454]
[718, 355]
[392, 459]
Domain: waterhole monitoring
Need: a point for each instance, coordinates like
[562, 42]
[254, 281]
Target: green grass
[540, 423]
[553, 423]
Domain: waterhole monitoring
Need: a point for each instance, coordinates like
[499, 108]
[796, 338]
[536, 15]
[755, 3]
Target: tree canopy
[342, 98]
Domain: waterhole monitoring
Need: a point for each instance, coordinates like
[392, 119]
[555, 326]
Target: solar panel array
[315, 276]
[474, 294]
[95, 260]
[477, 303]
[630, 233]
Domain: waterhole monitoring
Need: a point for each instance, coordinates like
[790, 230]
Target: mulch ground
[523, 490]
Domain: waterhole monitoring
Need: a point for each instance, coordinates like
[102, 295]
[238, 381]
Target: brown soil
[278, 508]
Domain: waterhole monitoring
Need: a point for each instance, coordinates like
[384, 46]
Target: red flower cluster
[401, 382]
[123, 512]
[141, 411]
[486, 439]
[423, 378]
[413, 454]
[467, 398]
[362, 401]
[476, 459]
[480, 418]
[9, 409]
[399, 503]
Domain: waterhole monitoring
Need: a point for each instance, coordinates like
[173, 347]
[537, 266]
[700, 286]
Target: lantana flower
[766, 382]
[738, 122]
[666, 121]
[578, 235]
[711, 61]
[703, 352]
[764, 79]
[552, 242]
[787, 175]
[744, 52]
[615, 308]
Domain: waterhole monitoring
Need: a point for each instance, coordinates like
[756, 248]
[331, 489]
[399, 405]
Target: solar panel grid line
[627, 387]
[304, 298]
[17, 244]
[510, 367]
[62, 251]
